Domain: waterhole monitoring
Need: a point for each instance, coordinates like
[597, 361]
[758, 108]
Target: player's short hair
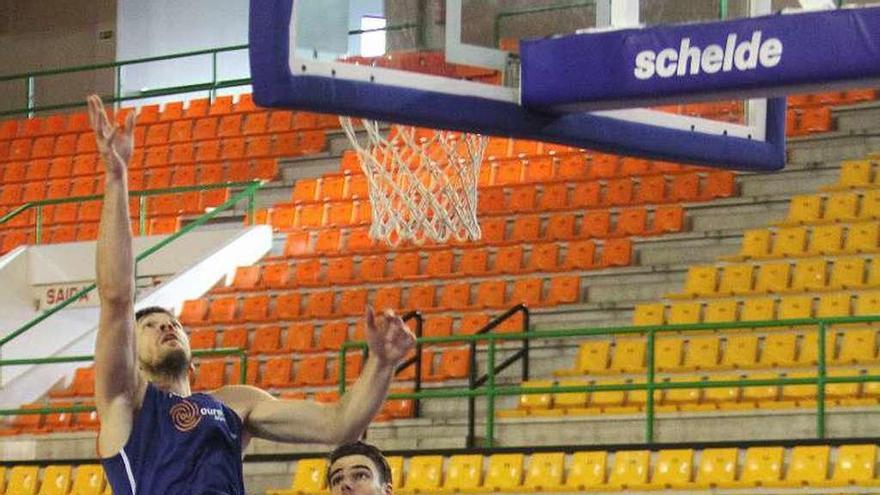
[364, 449]
[143, 313]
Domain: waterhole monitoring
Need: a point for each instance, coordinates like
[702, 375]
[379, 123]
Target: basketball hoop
[422, 182]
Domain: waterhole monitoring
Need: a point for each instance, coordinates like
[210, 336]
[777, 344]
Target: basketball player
[156, 436]
[359, 468]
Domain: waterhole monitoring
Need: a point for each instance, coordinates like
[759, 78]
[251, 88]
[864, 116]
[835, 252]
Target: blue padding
[275, 86]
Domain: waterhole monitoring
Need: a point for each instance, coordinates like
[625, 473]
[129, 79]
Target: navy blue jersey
[179, 445]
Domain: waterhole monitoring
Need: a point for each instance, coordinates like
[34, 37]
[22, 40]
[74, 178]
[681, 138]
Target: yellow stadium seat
[593, 356]
[756, 244]
[826, 239]
[23, 480]
[681, 396]
[758, 309]
[854, 174]
[833, 305]
[722, 395]
[862, 238]
[89, 480]
[629, 355]
[795, 307]
[464, 474]
[505, 473]
[870, 207]
[808, 467]
[702, 353]
[779, 350]
[630, 469]
[56, 480]
[790, 241]
[637, 399]
[799, 392]
[587, 471]
[310, 477]
[871, 390]
[855, 466]
[571, 402]
[803, 209]
[873, 274]
[545, 472]
[667, 353]
[531, 402]
[720, 311]
[772, 278]
[396, 465]
[424, 474]
[700, 281]
[741, 351]
[867, 303]
[847, 273]
[608, 398]
[673, 469]
[809, 349]
[684, 313]
[649, 314]
[736, 279]
[717, 468]
[2, 479]
[762, 465]
[842, 393]
[809, 274]
[840, 207]
[859, 347]
[763, 393]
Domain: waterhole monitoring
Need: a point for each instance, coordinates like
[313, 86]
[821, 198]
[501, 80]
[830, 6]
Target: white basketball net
[422, 182]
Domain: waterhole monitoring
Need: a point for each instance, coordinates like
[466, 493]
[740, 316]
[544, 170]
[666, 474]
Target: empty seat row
[55, 479]
[329, 304]
[854, 237]
[415, 265]
[12, 239]
[38, 424]
[305, 338]
[529, 169]
[721, 397]
[592, 471]
[733, 351]
[835, 207]
[228, 126]
[495, 230]
[832, 98]
[788, 307]
[804, 274]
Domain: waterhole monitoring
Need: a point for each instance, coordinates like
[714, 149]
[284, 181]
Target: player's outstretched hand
[388, 337]
[115, 144]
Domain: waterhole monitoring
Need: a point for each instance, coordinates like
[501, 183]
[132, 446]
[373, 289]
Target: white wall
[161, 27]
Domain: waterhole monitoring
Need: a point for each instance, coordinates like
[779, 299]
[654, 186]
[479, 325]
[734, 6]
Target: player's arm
[117, 382]
[388, 339]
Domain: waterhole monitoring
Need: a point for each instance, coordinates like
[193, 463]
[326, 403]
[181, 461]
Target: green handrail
[648, 384]
[506, 14]
[248, 192]
[222, 351]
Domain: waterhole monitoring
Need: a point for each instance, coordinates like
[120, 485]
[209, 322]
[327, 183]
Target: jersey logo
[185, 415]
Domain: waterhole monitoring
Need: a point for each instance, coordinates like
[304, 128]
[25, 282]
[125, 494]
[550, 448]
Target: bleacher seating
[679, 470]
[205, 143]
[787, 278]
[55, 479]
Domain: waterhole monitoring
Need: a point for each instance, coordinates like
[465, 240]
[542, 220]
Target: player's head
[162, 345]
[358, 468]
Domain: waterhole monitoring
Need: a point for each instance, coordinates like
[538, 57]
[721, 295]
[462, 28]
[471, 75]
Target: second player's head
[162, 345]
[358, 469]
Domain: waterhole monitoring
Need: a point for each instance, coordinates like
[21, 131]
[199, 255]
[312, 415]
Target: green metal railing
[223, 351]
[250, 189]
[500, 17]
[490, 390]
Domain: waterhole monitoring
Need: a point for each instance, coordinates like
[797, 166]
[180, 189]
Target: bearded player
[156, 436]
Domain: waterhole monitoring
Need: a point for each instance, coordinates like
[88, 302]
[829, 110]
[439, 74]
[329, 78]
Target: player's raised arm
[388, 339]
[117, 382]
